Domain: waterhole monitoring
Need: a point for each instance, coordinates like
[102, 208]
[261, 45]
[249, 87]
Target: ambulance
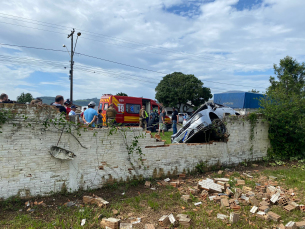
[128, 109]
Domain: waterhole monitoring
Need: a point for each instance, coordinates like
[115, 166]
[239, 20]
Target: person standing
[68, 105]
[100, 119]
[175, 119]
[142, 118]
[73, 109]
[59, 102]
[90, 115]
[162, 122]
[3, 98]
[110, 115]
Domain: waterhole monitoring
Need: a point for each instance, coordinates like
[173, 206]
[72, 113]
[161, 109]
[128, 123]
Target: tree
[122, 94]
[177, 88]
[23, 98]
[254, 91]
[284, 108]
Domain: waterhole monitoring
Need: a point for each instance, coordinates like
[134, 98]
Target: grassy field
[150, 205]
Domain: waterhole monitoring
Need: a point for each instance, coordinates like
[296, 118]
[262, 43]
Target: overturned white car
[204, 125]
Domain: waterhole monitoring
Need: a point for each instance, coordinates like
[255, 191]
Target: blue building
[238, 99]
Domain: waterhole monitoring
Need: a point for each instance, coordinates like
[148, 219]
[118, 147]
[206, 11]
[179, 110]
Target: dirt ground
[133, 200]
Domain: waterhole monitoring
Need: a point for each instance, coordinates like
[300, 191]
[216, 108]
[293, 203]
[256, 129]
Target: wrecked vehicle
[204, 125]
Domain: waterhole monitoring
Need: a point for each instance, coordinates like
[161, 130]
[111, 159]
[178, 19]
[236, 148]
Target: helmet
[67, 102]
[91, 103]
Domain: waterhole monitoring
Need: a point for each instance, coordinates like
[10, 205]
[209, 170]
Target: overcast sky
[233, 43]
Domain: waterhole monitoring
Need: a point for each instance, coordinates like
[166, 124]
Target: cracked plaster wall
[27, 168]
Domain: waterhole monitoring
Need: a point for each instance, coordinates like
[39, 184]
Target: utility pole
[71, 66]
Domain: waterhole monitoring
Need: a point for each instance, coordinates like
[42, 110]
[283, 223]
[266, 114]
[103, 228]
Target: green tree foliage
[177, 88]
[284, 108]
[121, 94]
[254, 91]
[23, 98]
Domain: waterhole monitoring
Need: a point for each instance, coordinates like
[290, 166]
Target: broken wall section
[27, 167]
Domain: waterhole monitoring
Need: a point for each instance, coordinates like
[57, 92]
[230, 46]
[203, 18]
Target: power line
[114, 38]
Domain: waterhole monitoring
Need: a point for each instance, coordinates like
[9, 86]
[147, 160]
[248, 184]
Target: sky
[128, 46]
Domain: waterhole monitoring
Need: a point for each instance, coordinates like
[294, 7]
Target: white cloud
[213, 45]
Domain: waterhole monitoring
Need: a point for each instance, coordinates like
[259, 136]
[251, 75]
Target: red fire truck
[128, 108]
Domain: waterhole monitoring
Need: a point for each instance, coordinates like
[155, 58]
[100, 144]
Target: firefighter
[110, 115]
[143, 117]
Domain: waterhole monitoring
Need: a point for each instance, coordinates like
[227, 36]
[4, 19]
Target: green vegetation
[121, 94]
[23, 98]
[177, 88]
[284, 109]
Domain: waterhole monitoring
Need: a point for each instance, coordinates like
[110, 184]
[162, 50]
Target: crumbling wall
[27, 167]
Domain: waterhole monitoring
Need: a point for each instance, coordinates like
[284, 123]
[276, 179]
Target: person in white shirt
[73, 109]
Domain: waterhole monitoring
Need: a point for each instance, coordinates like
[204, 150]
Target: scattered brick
[164, 221]
[289, 208]
[186, 198]
[149, 226]
[111, 223]
[204, 194]
[234, 217]
[241, 182]
[174, 184]
[147, 184]
[221, 216]
[273, 216]
[220, 172]
[182, 175]
[246, 189]
[301, 224]
[224, 203]
[253, 201]
[264, 203]
[235, 207]
[125, 225]
[283, 201]
[238, 193]
[264, 208]
[88, 199]
[184, 220]
[100, 202]
[302, 208]
[281, 226]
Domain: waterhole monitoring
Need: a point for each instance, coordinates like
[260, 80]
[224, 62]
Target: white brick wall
[28, 169]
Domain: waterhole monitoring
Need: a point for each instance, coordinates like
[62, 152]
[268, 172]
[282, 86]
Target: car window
[101, 106]
[105, 106]
[133, 108]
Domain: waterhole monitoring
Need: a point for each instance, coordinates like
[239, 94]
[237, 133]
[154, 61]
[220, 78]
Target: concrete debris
[222, 216]
[184, 220]
[125, 226]
[212, 198]
[275, 197]
[83, 222]
[221, 179]
[272, 177]
[209, 185]
[224, 203]
[198, 203]
[291, 225]
[135, 220]
[264, 208]
[167, 180]
[70, 204]
[241, 182]
[234, 217]
[173, 220]
[247, 175]
[253, 209]
[262, 215]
